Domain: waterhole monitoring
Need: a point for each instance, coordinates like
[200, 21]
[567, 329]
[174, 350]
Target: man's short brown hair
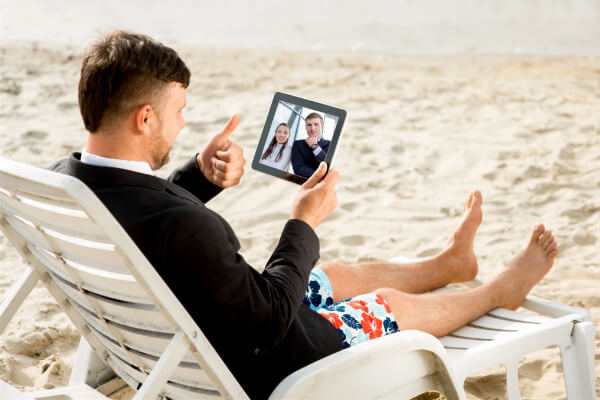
[313, 116]
[124, 71]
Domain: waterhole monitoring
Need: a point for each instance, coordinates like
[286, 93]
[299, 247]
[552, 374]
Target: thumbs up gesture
[222, 161]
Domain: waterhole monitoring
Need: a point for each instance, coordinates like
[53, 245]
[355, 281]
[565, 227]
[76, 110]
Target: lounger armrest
[403, 364]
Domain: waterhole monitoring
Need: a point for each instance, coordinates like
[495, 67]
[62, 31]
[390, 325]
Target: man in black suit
[131, 94]
[308, 153]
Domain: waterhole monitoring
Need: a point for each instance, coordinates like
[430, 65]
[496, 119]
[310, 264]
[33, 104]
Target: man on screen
[308, 153]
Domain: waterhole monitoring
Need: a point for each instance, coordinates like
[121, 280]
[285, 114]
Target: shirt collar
[99, 161]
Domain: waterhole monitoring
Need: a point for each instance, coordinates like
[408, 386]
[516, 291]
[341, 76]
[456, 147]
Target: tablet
[297, 136]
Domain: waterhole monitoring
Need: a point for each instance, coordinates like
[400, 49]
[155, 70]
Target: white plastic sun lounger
[136, 326]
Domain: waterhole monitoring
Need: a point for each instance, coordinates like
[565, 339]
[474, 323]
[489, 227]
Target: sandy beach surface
[422, 132]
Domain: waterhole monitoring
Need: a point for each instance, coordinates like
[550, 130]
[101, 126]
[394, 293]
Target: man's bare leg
[456, 263]
[442, 313]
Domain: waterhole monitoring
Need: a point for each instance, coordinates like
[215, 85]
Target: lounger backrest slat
[176, 391]
[99, 255]
[67, 221]
[108, 288]
[140, 340]
[189, 374]
[142, 316]
[109, 284]
[14, 180]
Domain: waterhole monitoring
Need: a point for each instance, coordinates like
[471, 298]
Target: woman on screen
[278, 153]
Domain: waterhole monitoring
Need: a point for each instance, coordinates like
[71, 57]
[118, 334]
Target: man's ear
[144, 119]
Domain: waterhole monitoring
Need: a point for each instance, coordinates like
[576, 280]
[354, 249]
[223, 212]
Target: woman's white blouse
[283, 162]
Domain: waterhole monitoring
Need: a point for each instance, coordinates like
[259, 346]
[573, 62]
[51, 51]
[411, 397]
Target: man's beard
[159, 151]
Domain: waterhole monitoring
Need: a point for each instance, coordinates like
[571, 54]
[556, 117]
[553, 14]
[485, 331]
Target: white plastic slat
[27, 232]
[63, 220]
[469, 332]
[109, 284]
[487, 322]
[174, 391]
[95, 254]
[189, 374]
[142, 341]
[455, 353]
[460, 343]
[22, 185]
[140, 316]
[517, 316]
[62, 202]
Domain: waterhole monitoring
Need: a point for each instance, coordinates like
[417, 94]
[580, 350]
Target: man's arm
[204, 263]
[216, 284]
[191, 179]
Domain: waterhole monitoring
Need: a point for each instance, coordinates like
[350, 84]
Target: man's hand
[222, 161]
[316, 197]
[312, 140]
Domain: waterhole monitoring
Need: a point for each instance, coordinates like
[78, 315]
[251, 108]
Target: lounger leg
[17, 295]
[512, 380]
[163, 369]
[88, 368]
[578, 363]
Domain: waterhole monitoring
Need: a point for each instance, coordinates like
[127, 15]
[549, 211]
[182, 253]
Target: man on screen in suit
[308, 153]
[263, 325]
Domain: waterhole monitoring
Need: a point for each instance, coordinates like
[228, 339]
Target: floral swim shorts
[357, 319]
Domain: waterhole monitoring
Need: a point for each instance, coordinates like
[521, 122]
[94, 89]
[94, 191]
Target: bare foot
[526, 269]
[460, 244]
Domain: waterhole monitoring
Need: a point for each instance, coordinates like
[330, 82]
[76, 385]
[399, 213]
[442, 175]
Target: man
[264, 326]
[308, 153]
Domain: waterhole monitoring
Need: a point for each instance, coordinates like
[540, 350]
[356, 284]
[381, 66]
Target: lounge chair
[136, 326]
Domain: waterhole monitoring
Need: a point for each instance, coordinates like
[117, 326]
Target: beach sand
[422, 132]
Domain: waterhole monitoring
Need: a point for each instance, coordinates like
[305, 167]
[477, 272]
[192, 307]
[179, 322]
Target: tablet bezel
[324, 108]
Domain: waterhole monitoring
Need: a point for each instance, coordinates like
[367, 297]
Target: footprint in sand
[10, 86]
[533, 369]
[581, 213]
[35, 135]
[583, 238]
[349, 206]
[353, 240]
[65, 106]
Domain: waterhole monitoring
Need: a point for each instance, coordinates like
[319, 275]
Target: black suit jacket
[256, 322]
[304, 161]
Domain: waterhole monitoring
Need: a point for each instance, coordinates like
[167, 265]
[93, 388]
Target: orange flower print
[359, 305]
[380, 300]
[334, 319]
[371, 325]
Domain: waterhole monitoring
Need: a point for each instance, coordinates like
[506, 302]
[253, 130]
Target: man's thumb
[316, 176]
[230, 127]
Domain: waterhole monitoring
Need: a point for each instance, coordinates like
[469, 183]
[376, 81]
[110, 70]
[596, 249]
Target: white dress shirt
[99, 161]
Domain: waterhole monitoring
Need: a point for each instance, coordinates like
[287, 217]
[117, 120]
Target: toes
[550, 248]
[474, 199]
[477, 198]
[537, 232]
[546, 239]
[553, 253]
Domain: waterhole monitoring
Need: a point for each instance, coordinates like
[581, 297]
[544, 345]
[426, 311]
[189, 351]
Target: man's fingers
[230, 127]
[233, 153]
[227, 168]
[332, 177]
[316, 176]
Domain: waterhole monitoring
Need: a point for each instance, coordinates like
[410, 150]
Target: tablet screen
[298, 135]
